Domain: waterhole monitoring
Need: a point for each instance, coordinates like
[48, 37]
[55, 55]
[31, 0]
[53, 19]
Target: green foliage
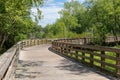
[20, 37]
[93, 18]
[15, 21]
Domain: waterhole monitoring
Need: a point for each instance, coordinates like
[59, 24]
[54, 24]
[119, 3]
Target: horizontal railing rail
[104, 58]
[88, 40]
[32, 42]
[9, 59]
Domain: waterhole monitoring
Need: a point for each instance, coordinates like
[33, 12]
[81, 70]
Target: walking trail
[39, 63]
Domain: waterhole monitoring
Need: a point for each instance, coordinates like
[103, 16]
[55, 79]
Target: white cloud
[50, 14]
[77, 0]
[34, 10]
[81, 0]
[48, 1]
[50, 11]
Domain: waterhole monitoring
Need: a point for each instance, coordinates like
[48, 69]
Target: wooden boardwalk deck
[39, 63]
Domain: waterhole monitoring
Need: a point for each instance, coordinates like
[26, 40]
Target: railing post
[103, 60]
[62, 48]
[83, 57]
[91, 58]
[118, 63]
[34, 41]
[67, 49]
[71, 53]
[42, 41]
[37, 41]
[46, 41]
[56, 47]
[22, 45]
[30, 42]
[85, 41]
[27, 43]
[76, 55]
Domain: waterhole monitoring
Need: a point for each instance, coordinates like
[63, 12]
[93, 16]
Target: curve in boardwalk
[40, 63]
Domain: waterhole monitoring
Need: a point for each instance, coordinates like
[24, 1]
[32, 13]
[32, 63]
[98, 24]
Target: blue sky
[50, 11]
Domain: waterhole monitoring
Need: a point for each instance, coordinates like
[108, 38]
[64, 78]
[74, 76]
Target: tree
[104, 19]
[96, 18]
[15, 18]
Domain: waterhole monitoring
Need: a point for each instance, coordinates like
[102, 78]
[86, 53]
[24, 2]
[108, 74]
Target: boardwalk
[39, 63]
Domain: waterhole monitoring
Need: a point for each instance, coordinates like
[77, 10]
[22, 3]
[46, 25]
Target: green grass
[117, 46]
[79, 58]
[87, 55]
[110, 68]
[80, 53]
[97, 64]
[97, 57]
[110, 61]
[97, 52]
[87, 60]
[110, 54]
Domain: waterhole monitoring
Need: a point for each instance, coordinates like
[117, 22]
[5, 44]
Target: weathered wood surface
[6, 60]
[9, 59]
[87, 54]
[87, 40]
[39, 63]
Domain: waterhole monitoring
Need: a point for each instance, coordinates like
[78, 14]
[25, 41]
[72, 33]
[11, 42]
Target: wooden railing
[9, 59]
[77, 40]
[33, 42]
[70, 47]
[110, 39]
[104, 58]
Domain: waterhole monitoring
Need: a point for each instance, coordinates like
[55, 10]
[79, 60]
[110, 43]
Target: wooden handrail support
[89, 40]
[79, 52]
[9, 59]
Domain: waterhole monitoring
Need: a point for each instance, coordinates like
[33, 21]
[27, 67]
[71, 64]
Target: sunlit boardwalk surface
[40, 63]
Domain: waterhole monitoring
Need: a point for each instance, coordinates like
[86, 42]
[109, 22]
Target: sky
[50, 11]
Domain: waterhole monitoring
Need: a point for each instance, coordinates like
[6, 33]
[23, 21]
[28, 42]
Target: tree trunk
[3, 40]
[115, 21]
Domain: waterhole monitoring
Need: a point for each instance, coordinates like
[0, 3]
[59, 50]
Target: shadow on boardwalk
[23, 68]
[77, 68]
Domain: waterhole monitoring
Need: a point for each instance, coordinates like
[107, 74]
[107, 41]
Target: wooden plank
[102, 60]
[100, 48]
[91, 58]
[6, 61]
[118, 63]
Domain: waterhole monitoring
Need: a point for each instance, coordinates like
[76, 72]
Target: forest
[93, 18]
